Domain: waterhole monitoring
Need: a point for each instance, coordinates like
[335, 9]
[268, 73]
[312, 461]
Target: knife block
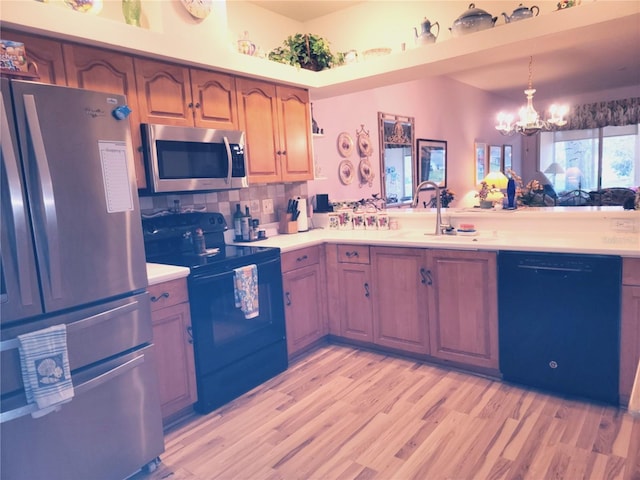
[288, 226]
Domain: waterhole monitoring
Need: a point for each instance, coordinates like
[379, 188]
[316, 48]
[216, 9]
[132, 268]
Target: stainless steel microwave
[181, 159]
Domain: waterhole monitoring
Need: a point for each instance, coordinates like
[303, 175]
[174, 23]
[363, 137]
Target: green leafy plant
[306, 51]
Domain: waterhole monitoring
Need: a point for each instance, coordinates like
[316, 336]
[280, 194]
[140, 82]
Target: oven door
[222, 334]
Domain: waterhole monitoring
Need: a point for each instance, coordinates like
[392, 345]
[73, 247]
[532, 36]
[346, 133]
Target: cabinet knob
[366, 290]
[190, 333]
[160, 297]
[302, 258]
[198, 105]
[288, 295]
[190, 105]
[351, 254]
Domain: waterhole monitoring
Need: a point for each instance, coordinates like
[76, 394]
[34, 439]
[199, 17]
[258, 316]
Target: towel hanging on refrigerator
[44, 362]
[246, 290]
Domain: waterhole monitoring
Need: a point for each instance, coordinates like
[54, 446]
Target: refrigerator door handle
[48, 200]
[18, 208]
[79, 390]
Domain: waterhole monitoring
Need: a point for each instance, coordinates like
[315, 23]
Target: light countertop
[159, 273]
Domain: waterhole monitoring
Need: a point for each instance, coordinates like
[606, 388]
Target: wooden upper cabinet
[294, 120]
[258, 113]
[164, 93]
[111, 72]
[45, 53]
[277, 123]
[214, 99]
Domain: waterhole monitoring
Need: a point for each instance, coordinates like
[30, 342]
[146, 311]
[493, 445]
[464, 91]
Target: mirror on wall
[397, 158]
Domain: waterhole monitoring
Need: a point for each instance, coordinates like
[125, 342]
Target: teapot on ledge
[425, 37]
[521, 13]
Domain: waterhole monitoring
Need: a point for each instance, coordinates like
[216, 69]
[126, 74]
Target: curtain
[601, 114]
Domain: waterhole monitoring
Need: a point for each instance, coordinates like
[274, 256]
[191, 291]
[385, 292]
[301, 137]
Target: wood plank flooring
[343, 413]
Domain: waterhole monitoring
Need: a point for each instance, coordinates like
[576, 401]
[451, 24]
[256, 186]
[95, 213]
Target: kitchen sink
[418, 235]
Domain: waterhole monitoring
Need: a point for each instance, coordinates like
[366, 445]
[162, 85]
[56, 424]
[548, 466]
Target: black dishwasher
[559, 322]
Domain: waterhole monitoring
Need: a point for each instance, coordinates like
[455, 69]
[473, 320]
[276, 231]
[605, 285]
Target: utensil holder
[288, 226]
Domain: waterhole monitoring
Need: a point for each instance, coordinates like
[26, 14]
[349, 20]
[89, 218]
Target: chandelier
[530, 122]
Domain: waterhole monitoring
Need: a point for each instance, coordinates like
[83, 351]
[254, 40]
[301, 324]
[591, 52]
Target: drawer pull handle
[351, 254]
[288, 295]
[190, 333]
[366, 290]
[302, 258]
[426, 276]
[160, 297]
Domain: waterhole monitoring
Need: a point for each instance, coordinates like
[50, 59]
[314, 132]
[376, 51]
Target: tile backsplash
[225, 201]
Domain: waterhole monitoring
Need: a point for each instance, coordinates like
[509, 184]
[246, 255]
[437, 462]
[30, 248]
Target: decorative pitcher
[425, 36]
[521, 13]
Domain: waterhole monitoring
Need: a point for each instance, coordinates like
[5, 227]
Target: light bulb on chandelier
[530, 122]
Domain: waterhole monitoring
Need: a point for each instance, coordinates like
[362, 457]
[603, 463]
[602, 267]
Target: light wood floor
[342, 413]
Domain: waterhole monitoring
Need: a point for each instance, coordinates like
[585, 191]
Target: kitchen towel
[246, 290]
[44, 362]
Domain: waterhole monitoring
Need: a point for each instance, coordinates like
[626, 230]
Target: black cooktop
[169, 238]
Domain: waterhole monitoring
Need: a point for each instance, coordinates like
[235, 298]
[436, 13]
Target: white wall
[443, 110]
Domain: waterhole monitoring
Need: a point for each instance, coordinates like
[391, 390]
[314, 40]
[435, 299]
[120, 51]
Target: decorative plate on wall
[198, 8]
[346, 171]
[366, 172]
[345, 144]
[364, 144]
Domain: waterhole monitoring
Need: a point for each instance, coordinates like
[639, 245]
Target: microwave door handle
[18, 208]
[229, 159]
[48, 200]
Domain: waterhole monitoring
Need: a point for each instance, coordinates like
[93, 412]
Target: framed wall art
[432, 161]
[480, 161]
[507, 152]
[495, 158]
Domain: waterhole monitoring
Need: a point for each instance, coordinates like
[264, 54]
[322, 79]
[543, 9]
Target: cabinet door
[164, 93]
[45, 53]
[356, 310]
[111, 72]
[400, 311]
[214, 100]
[463, 307]
[174, 359]
[258, 114]
[294, 121]
[303, 311]
[629, 340]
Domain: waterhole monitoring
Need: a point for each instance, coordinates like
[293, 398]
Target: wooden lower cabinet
[629, 326]
[173, 345]
[463, 307]
[400, 309]
[355, 300]
[303, 283]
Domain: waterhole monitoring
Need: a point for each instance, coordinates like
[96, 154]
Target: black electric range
[234, 352]
[169, 239]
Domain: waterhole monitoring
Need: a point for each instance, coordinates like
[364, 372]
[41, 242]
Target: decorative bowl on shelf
[376, 52]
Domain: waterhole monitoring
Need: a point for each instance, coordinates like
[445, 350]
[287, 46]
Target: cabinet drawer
[300, 258]
[631, 271]
[353, 254]
[168, 293]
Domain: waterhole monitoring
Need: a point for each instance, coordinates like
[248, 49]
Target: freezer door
[110, 428]
[80, 179]
[19, 292]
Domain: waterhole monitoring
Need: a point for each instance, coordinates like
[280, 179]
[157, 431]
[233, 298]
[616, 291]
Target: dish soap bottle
[237, 224]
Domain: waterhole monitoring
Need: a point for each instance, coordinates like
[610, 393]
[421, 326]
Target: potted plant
[306, 51]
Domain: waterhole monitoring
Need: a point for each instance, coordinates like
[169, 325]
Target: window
[591, 159]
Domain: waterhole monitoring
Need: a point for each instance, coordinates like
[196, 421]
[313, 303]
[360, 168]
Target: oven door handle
[214, 275]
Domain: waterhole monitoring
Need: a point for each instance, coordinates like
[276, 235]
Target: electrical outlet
[267, 206]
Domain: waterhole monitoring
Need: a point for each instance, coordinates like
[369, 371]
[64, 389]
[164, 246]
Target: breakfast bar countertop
[604, 232]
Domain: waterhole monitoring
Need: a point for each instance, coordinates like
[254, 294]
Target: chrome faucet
[416, 196]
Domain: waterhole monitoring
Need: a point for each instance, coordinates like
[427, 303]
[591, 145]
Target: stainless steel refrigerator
[73, 254]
